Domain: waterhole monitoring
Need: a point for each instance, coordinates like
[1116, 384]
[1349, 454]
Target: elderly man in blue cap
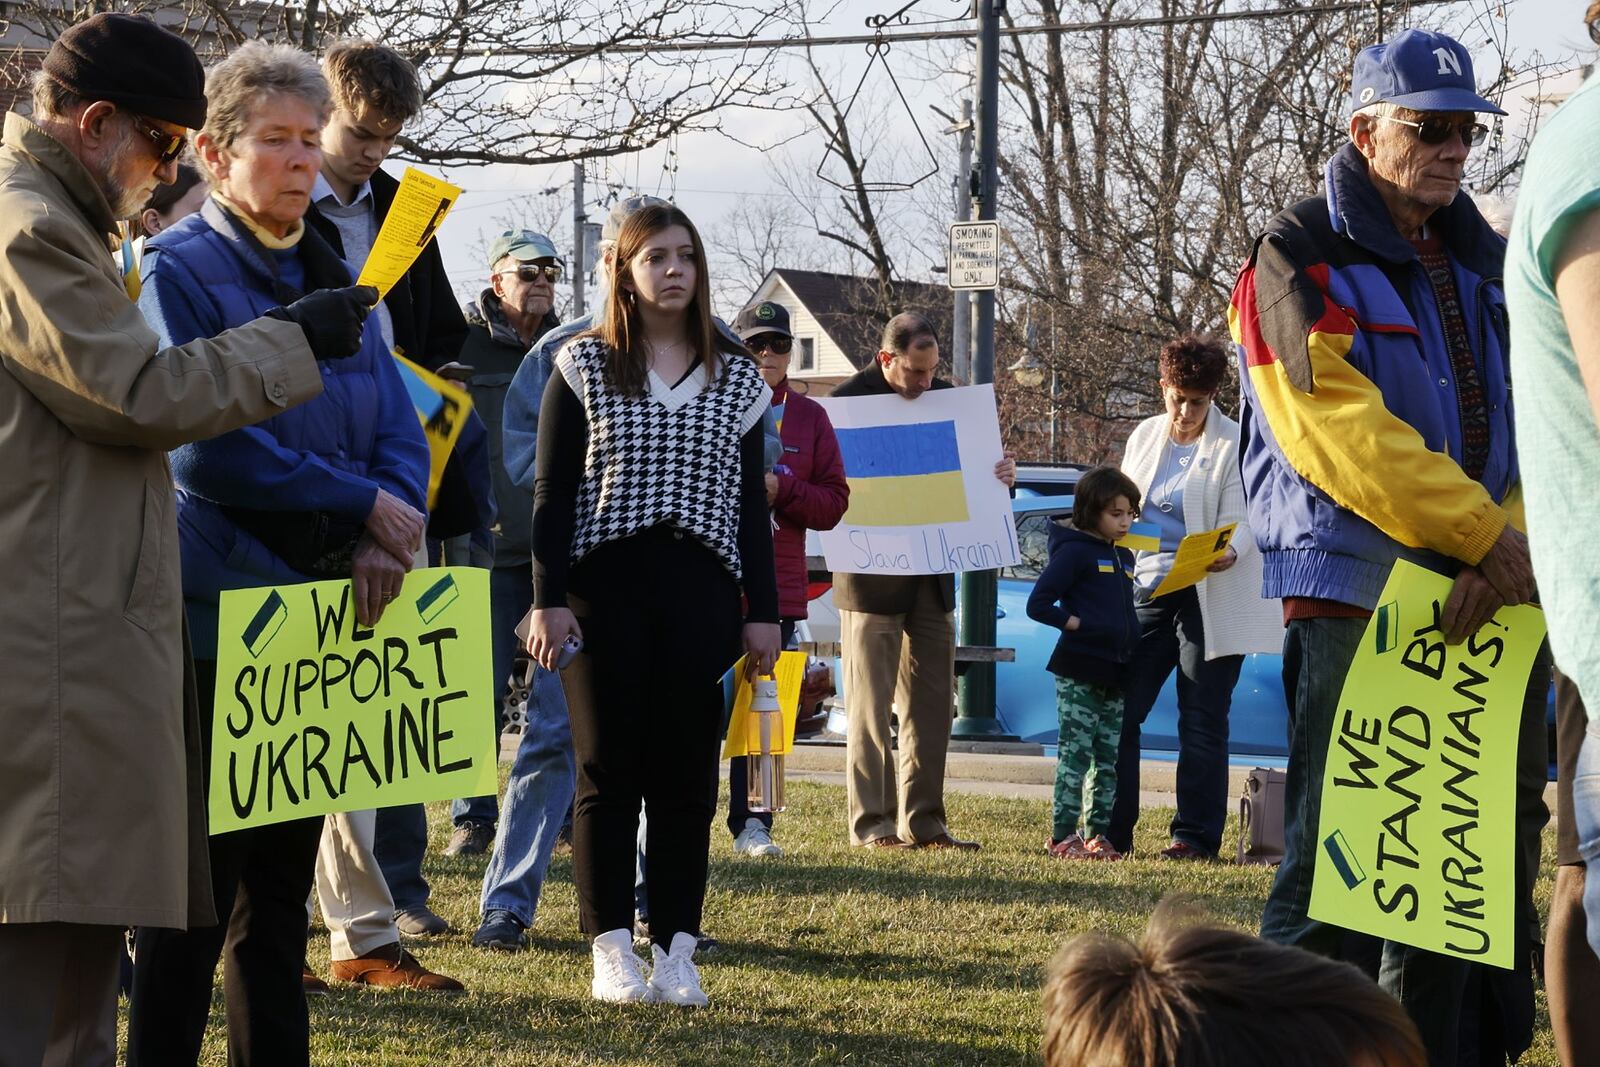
[1370, 323]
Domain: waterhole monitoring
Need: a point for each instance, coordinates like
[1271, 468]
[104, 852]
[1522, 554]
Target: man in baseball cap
[1376, 426]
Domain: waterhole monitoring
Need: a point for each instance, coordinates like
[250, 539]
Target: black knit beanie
[134, 64]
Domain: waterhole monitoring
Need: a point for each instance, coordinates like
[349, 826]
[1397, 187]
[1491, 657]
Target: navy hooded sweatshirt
[1092, 579]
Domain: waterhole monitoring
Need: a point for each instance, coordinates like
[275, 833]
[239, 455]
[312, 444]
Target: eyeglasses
[770, 342]
[169, 146]
[1437, 131]
[532, 272]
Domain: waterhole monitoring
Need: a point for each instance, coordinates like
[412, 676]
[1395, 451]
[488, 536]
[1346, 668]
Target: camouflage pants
[1086, 756]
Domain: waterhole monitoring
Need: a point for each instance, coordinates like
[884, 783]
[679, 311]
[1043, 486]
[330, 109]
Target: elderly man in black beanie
[102, 816]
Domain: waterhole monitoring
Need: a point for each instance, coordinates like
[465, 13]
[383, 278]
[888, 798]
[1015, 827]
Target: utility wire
[773, 43]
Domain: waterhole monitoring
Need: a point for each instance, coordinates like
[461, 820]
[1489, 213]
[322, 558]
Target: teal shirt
[1557, 441]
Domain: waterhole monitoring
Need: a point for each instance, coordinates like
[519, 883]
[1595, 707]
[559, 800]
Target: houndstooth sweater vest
[670, 456]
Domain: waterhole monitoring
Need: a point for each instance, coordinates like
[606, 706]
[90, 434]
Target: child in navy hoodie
[1086, 591]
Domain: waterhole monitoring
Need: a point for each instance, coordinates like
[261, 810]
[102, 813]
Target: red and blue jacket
[1351, 435]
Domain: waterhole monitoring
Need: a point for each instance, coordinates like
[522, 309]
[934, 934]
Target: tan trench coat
[101, 811]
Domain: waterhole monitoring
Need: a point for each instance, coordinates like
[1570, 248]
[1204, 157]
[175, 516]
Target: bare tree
[504, 82]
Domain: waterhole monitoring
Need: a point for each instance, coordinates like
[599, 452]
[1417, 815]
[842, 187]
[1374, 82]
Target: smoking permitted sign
[317, 714]
[974, 259]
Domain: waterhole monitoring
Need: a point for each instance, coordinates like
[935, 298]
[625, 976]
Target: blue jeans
[1172, 635]
[538, 797]
[1586, 816]
[399, 840]
[510, 597]
[1316, 657]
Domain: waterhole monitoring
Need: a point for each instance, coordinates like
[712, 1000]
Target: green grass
[829, 955]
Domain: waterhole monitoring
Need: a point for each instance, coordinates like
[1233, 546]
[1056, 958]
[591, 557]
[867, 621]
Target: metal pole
[577, 241]
[961, 324]
[975, 717]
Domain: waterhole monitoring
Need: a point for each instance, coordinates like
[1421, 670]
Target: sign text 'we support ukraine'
[317, 714]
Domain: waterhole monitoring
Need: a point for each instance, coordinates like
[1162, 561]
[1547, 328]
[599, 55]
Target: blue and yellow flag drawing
[1142, 537]
[903, 475]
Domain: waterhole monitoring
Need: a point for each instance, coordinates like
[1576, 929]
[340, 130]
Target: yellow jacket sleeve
[1330, 421]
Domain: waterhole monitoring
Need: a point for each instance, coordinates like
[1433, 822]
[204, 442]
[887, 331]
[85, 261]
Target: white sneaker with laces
[756, 840]
[618, 971]
[675, 980]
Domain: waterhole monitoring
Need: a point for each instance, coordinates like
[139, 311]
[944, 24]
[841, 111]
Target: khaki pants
[354, 897]
[58, 994]
[907, 661]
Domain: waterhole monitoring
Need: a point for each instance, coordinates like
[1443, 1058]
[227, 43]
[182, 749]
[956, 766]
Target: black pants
[260, 878]
[661, 623]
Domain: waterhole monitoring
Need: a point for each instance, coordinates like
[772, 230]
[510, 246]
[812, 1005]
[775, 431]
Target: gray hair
[259, 71]
[904, 329]
[52, 100]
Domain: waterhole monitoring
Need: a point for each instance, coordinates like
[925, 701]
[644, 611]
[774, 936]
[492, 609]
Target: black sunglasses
[775, 343]
[169, 146]
[1437, 131]
[532, 272]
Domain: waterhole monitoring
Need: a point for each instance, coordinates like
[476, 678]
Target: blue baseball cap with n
[1421, 70]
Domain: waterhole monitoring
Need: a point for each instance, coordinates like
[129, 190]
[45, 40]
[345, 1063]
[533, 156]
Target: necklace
[1171, 449]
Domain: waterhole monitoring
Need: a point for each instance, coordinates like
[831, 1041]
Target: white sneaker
[675, 979]
[756, 840]
[618, 971]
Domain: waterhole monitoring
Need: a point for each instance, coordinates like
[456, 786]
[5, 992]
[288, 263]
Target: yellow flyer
[315, 714]
[420, 205]
[1418, 832]
[442, 408]
[743, 727]
[1195, 553]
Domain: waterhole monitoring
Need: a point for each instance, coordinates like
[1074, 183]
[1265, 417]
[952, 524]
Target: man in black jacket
[369, 867]
[895, 628]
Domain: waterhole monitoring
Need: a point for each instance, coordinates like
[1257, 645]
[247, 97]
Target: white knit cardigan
[1237, 620]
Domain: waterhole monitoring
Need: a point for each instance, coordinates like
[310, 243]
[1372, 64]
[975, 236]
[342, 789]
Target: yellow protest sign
[315, 714]
[420, 205]
[442, 409]
[1195, 553]
[1418, 834]
[744, 735]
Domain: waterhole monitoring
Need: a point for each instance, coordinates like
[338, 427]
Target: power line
[776, 43]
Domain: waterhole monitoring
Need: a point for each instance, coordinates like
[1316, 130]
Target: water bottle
[765, 793]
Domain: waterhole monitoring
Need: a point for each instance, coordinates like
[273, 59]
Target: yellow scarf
[267, 239]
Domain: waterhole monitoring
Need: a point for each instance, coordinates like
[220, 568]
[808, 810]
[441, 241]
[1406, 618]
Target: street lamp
[1030, 373]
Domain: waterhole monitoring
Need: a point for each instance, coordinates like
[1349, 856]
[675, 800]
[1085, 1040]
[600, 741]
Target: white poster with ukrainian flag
[923, 495]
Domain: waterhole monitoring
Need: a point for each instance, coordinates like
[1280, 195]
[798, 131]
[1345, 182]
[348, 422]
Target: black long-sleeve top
[558, 470]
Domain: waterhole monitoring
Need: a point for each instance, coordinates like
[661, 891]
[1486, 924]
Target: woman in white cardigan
[1186, 465]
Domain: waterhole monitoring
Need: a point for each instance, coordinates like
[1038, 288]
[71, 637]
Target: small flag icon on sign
[268, 620]
[1386, 622]
[1344, 860]
[440, 595]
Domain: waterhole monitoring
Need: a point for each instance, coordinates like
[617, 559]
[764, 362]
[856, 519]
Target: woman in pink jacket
[806, 491]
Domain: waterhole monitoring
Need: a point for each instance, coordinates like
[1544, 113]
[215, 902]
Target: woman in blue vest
[335, 488]
[649, 519]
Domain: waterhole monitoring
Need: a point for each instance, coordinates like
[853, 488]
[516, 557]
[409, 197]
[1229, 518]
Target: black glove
[331, 319]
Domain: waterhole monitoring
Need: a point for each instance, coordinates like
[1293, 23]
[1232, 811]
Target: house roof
[846, 306]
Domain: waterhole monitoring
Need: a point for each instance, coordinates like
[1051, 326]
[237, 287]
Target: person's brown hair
[365, 74]
[1591, 19]
[1095, 491]
[1192, 994]
[1194, 363]
[627, 362]
[906, 328]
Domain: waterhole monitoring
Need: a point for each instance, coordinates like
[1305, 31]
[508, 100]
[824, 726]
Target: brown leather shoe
[886, 841]
[314, 986]
[393, 967]
[946, 841]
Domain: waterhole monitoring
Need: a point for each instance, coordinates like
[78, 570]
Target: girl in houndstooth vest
[649, 522]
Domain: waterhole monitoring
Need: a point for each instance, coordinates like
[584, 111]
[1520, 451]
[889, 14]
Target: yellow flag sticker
[316, 714]
[420, 205]
[1418, 836]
